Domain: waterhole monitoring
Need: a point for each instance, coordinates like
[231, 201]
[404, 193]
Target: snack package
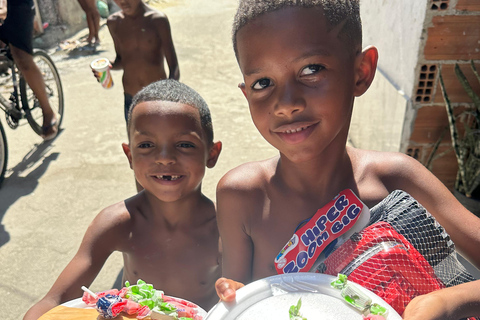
[384, 262]
[336, 219]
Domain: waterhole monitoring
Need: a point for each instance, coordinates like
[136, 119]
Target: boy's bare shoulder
[395, 170]
[115, 18]
[155, 16]
[248, 177]
[114, 215]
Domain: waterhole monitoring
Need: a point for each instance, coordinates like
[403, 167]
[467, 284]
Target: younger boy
[303, 65]
[143, 41]
[167, 232]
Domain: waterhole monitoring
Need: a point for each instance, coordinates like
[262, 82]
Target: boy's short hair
[335, 11]
[174, 91]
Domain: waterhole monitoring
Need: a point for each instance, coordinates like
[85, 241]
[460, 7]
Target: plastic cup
[101, 66]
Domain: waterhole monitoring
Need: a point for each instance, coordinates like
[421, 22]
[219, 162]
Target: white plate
[78, 303]
[271, 298]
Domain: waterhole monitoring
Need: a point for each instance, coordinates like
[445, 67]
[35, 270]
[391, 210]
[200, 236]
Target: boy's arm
[96, 247]
[111, 24]
[452, 303]
[405, 173]
[169, 48]
[233, 206]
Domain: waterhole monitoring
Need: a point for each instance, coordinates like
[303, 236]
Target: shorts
[17, 28]
[128, 101]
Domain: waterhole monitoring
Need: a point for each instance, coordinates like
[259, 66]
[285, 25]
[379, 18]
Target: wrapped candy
[132, 307]
[110, 306]
[184, 308]
[140, 299]
[91, 298]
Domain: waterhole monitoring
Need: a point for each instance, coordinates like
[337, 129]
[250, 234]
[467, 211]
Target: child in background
[143, 42]
[168, 232]
[303, 65]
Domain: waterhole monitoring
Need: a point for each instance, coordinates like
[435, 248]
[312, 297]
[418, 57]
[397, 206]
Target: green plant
[466, 144]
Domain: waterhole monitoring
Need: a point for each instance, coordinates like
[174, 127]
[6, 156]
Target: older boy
[303, 65]
[143, 41]
[167, 232]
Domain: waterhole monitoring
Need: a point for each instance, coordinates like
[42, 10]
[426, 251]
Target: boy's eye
[145, 145]
[186, 145]
[261, 84]
[311, 69]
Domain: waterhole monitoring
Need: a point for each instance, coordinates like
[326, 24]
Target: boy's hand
[226, 288]
[430, 306]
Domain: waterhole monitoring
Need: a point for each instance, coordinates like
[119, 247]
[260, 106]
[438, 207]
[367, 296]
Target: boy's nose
[165, 156]
[290, 100]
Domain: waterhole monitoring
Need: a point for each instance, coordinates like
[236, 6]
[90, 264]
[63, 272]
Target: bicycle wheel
[54, 89]
[3, 153]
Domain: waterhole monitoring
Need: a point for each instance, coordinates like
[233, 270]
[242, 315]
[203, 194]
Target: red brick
[468, 5]
[454, 88]
[453, 38]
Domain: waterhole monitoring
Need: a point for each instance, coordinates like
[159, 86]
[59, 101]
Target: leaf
[294, 311]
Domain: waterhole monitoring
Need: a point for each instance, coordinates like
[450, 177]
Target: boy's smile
[168, 148]
[299, 81]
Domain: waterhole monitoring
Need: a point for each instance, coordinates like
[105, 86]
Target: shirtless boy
[143, 41]
[303, 65]
[167, 232]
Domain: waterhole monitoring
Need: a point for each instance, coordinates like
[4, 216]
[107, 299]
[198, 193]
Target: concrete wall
[395, 28]
[380, 116]
[64, 17]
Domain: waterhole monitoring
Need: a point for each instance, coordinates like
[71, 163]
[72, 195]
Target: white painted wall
[395, 28]
[383, 114]
[378, 117]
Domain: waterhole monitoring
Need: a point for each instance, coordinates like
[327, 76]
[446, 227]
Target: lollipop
[110, 306]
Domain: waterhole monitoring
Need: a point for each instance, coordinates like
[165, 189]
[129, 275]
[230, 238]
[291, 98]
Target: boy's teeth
[169, 178]
[295, 130]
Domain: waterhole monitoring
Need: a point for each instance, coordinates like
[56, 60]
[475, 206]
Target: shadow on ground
[22, 180]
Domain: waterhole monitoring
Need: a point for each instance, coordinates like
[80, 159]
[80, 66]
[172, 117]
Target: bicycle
[22, 103]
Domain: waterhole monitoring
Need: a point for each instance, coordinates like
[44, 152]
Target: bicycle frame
[11, 107]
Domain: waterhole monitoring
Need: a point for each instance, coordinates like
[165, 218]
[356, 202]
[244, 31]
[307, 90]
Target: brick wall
[452, 35]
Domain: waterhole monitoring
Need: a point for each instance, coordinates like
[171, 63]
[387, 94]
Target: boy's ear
[242, 87]
[365, 67]
[213, 154]
[128, 153]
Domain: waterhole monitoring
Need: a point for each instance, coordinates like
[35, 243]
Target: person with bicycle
[17, 32]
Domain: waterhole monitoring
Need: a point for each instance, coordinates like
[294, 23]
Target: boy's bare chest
[272, 227]
[136, 37]
[182, 265]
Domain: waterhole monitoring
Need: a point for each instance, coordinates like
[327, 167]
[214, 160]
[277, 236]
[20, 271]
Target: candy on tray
[140, 299]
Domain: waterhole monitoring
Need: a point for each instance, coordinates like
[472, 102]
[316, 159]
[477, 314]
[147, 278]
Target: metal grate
[439, 4]
[426, 81]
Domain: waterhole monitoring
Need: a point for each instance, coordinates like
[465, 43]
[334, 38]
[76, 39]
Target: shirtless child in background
[168, 232]
[143, 41]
